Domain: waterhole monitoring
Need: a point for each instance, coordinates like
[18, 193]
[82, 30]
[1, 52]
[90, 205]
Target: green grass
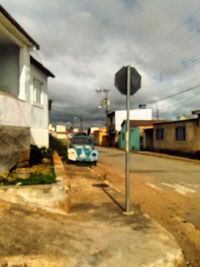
[35, 178]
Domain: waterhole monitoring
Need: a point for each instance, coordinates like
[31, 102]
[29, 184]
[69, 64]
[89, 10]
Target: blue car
[81, 149]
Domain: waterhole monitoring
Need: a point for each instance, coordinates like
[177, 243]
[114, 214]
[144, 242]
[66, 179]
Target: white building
[23, 83]
[115, 119]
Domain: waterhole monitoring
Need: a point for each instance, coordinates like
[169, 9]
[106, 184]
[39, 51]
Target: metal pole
[127, 163]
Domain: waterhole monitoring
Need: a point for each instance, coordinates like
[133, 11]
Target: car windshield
[82, 141]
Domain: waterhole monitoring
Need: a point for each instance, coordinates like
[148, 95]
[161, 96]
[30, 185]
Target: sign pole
[127, 157]
[127, 81]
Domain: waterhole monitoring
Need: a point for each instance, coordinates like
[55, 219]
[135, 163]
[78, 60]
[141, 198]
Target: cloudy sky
[84, 42]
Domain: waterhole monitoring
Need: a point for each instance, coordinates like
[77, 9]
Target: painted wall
[39, 114]
[9, 68]
[134, 138]
[190, 145]
[135, 114]
[13, 111]
[16, 112]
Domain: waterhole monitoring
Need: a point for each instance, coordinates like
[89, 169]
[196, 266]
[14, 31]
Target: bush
[55, 144]
[36, 178]
[37, 154]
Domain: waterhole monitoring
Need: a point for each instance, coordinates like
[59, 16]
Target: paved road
[179, 175]
[165, 188]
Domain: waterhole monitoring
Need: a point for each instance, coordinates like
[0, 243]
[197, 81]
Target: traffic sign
[121, 80]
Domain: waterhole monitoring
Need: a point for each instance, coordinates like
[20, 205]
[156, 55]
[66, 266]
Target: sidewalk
[107, 238]
[94, 233]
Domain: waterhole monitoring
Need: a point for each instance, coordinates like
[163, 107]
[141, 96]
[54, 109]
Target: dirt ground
[178, 213]
[94, 233]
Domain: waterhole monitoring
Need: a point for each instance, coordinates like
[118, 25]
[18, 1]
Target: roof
[177, 121]
[15, 23]
[41, 67]
[137, 123]
[196, 112]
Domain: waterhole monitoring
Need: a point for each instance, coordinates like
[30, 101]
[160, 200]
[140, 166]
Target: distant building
[91, 130]
[180, 136]
[61, 132]
[99, 136]
[115, 119]
[137, 128]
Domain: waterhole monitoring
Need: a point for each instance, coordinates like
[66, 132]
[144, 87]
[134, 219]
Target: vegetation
[35, 178]
[57, 145]
[37, 154]
[40, 165]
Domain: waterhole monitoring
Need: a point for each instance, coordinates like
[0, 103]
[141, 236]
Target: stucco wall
[190, 145]
[13, 111]
[15, 147]
[135, 114]
[39, 113]
[134, 140]
[9, 68]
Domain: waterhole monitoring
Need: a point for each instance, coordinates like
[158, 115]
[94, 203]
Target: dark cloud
[85, 42]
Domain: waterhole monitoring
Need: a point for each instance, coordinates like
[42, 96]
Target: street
[165, 188]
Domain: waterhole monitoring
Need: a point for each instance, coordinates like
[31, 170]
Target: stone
[15, 147]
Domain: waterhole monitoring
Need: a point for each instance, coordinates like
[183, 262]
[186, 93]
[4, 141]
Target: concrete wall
[15, 147]
[190, 145]
[9, 68]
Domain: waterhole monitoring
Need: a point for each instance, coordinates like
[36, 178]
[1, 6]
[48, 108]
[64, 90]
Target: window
[159, 134]
[180, 133]
[37, 92]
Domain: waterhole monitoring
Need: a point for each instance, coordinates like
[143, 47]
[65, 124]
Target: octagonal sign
[121, 80]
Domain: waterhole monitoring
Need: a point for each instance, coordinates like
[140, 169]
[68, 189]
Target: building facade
[137, 128]
[177, 136]
[23, 93]
[115, 119]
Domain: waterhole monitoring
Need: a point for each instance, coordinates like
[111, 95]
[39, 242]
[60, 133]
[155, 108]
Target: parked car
[81, 149]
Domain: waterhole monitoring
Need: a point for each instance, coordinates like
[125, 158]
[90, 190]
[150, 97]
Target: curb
[63, 180]
[162, 155]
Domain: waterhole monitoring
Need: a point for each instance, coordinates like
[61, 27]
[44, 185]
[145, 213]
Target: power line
[174, 33]
[173, 95]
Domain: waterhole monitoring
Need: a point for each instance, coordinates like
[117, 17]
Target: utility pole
[105, 102]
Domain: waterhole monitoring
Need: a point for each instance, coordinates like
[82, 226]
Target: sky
[85, 42]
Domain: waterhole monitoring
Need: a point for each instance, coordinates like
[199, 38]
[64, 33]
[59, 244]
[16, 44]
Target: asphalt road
[165, 188]
[160, 171]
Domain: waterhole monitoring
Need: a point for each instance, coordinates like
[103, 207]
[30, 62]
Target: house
[24, 115]
[99, 136]
[115, 119]
[181, 136]
[61, 132]
[137, 128]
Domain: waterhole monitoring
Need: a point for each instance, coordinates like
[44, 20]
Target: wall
[135, 114]
[190, 145]
[13, 111]
[15, 147]
[39, 113]
[9, 68]
[134, 138]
